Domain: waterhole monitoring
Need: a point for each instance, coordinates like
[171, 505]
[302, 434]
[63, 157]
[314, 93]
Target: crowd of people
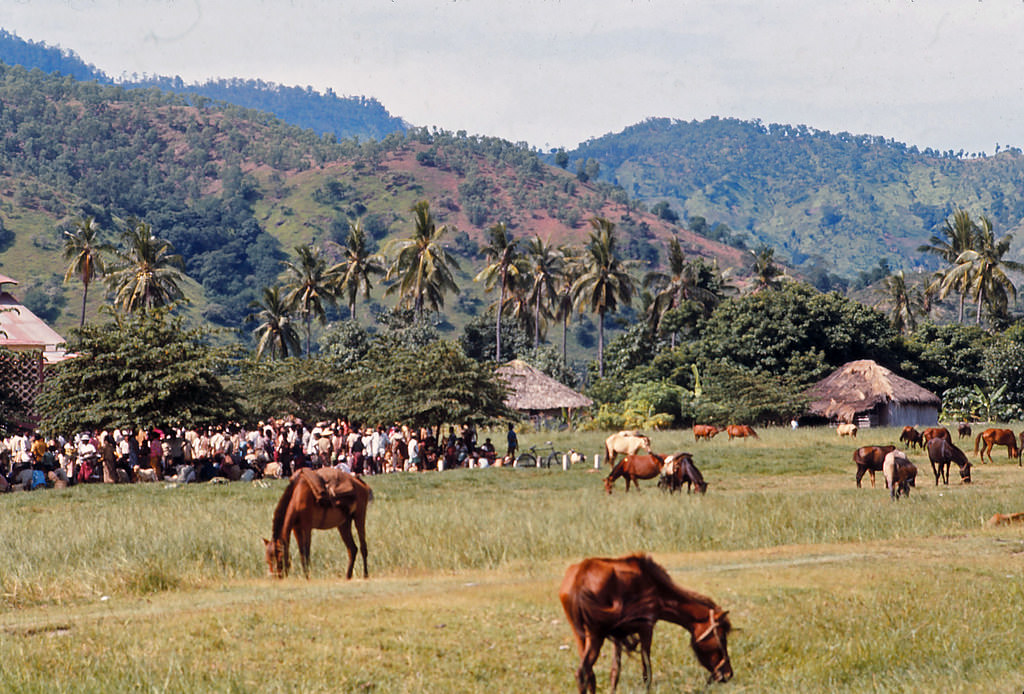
[272, 448]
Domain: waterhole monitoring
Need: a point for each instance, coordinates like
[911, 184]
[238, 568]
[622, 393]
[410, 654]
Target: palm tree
[906, 303]
[983, 269]
[564, 303]
[84, 255]
[358, 266]
[683, 282]
[148, 271]
[605, 280]
[957, 237]
[504, 265]
[310, 284]
[546, 265]
[766, 273]
[276, 330]
[421, 265]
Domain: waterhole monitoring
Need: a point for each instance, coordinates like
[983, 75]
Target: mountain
[843, 200]
[344, 117]
[235, 190]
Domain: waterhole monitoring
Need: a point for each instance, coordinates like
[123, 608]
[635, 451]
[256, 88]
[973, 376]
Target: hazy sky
[945, 74]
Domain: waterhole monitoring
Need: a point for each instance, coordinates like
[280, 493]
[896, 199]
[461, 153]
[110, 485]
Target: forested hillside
[845, 200]
[235, 191]
[343, 116]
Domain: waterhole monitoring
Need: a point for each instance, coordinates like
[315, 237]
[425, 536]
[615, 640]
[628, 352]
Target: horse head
[277, 565]
[965, 473]
[709, 643]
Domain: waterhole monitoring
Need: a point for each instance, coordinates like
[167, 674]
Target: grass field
[831, 588]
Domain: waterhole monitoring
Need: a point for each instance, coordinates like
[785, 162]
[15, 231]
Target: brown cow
[997, 437]
[704, 431]
[869, 459]
[935, 433]
[739, 431]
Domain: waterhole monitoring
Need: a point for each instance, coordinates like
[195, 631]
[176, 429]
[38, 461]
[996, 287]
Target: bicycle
[542, 456]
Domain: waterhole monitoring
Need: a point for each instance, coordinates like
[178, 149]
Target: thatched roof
[532, 390]
[859, 386]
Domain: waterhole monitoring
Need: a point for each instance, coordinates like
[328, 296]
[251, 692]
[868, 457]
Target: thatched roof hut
[534, 392]
[872, 395]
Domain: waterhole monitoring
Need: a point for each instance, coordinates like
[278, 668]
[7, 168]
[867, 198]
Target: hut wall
[914, 415]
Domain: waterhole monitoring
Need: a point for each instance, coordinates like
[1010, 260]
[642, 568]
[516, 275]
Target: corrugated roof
[24, 330]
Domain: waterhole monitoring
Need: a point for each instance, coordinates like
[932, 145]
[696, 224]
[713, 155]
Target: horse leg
[937, 471]
[591, 649]
[872, 473]
[345, 529]
[616, 663]
[360, 519]
[303, 538]
[646, 635]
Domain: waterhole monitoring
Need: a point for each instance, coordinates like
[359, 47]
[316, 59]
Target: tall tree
[565, 302]
[681, 282]
[605, 281]
[310, 284]
[545, 268]
[957, 237]
[504, 265]
[147, 272]
[276, 330]
[357, 267]
[905, 303]
[421, 265]
[984, 270]
[84, 252]
[766, 273]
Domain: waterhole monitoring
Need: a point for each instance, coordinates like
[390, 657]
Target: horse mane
[281, 508]
[657, 573]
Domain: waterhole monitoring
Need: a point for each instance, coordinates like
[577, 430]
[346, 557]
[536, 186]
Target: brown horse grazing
[322, 499]
[704, 431]
[679, 470]
[941, 453]
[626, 443]
[900, 474]
[740, 431]
[1005, 519]
[633, 468]
[911, 437]
[997, 437]
[935, 432]
[963, 430]
[622, 599]
[869, 459]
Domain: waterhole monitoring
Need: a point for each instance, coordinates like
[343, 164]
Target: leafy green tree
[84, 253]
[1004, 364]
[310, 284]
[145, 370]
[302, 387]
[767, 274]
[683, 282]
[504, 264]
[344, 344]
[605, 281]
[276, 330]
[940, 357]
[354, 273]
[147, 272]
[421, 267]
[957, 237]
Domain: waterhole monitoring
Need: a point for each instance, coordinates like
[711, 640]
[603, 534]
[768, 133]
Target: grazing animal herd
[621, 599]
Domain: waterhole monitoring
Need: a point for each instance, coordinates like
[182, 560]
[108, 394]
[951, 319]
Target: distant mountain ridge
[353, 116]
[845, 200]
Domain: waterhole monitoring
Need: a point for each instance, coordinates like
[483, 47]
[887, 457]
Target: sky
[945, 74]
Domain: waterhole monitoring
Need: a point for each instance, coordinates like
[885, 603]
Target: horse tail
[281, 509]
[977, 442]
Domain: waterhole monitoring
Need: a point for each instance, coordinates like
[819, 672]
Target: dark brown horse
[911, 437]
[704, 431]
[997, 437]
[935, 432]
[633, 468]
[307, 503]
[963, 430]
[941, 453]
[740, 431]
[678, 470]
[869, 459]
[622, 599]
